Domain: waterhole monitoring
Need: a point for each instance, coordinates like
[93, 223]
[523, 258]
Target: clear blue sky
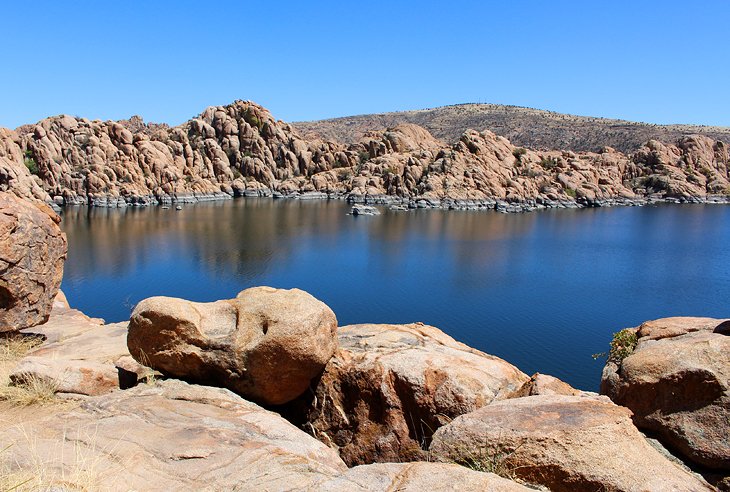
[654, 61]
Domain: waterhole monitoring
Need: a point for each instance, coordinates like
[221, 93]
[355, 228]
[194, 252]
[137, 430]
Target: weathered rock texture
[543, 384]
[15, 177]
[240, 149]
[389, 387]
[417, 477]
[266, 344]
[79, 355]
[677, 383]
[32, 253]
[171, 436]
[566, 443]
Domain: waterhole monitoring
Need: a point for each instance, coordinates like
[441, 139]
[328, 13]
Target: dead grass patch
[32, 390]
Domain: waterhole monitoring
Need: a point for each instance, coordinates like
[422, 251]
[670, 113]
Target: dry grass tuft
[31, 391]
[13, 347]
[42, 465]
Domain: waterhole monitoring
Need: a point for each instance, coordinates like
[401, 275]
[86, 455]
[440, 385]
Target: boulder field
[401, 407]
[241, 150]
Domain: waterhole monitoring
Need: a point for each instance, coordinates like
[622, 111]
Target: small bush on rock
[623, 344]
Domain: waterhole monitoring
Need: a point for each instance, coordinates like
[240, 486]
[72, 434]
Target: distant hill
[532, 128]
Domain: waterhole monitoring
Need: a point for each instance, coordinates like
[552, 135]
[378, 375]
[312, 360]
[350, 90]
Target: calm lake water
[542, 290]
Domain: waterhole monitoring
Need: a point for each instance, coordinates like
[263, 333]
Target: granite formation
[241, 150]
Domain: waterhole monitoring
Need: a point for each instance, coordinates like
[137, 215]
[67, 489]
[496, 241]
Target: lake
[542, 290]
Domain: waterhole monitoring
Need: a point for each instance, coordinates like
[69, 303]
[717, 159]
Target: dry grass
[42, 465]
[32, 390]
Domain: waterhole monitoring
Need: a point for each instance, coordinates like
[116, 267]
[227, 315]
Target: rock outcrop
[566, 443]
[32, 254]
[398, 393]
[170, 436]
[15, 169]
[241, 150]
[266, 344]
[79, 356]
[389, 387]
[544, 384]
[677, 384]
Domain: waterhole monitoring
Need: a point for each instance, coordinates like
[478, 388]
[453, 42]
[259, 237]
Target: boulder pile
[241, 150]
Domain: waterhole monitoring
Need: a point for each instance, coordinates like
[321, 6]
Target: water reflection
[543, 290]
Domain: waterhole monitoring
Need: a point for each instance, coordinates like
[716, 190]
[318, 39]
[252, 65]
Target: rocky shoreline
[401, 204]
[241, 150]
[266, 391]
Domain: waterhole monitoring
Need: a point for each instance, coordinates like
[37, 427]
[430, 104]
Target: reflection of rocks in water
[246, 237]
[477, 241]
[240, 237]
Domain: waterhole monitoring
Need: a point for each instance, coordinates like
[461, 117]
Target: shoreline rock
[566, 443]
[266, 344]
[241, 150]
[389, 387]
[677, 384]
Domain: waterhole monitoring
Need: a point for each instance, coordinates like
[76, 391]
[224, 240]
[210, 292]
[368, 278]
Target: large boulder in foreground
[266, 344]
[32, 253]
[566, 443]
[677, 384]
[171, 436]
[389, 387]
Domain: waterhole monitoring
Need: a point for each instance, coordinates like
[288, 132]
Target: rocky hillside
[241, 150]
[524, 127]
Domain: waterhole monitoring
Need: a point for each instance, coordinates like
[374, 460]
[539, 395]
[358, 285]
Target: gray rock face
[266, 344]
[32, 254]
[358, 209]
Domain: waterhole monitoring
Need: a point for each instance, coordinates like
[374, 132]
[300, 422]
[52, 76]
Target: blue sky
[660, 62]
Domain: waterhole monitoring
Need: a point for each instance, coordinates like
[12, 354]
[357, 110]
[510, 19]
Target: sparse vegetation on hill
[532, 128]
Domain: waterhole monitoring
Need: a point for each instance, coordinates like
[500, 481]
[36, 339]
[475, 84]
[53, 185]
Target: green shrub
[623, 344]
[570, 192]
[250, 118]
[30, 163]
[519, 152]
[549, 162]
